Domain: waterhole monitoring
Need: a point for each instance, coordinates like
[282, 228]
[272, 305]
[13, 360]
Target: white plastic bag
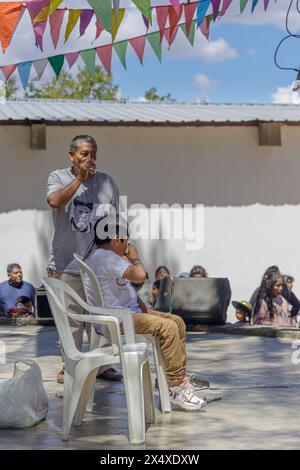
[23, 400]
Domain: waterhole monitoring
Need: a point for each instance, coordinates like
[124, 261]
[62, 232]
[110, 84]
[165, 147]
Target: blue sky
[236, 65]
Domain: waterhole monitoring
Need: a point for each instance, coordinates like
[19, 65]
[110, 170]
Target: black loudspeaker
[200, 301]
[42, 307]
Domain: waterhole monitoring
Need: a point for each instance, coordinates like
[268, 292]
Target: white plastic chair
[81, 368]
[165, 403]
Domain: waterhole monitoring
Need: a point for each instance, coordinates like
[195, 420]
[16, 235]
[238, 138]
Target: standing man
[13, 288]
[78, 186]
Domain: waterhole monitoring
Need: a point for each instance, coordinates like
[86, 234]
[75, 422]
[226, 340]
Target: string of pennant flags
[168, 19]
[104, 53]
[107, 13]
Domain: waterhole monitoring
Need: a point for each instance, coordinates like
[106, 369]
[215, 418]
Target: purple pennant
[85, 19]
[35, 6]
[215, 6]
[146, 22]
[266, 3]
[39, 29]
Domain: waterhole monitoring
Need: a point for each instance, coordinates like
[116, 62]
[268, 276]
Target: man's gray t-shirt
[73, 223]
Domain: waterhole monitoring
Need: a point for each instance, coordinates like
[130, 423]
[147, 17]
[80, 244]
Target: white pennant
[39, 67]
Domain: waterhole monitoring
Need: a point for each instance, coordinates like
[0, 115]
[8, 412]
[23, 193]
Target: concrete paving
[255, 376]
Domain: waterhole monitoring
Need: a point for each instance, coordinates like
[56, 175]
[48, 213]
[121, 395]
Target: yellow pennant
[72, 21]
[116, 21]
[54, 4]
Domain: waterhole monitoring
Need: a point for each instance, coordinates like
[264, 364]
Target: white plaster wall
[209, 165]
[240, 242]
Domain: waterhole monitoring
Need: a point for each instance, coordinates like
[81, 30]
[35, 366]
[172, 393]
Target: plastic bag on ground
[23, 400]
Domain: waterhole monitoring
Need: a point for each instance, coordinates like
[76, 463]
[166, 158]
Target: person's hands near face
[132, 252]
[84, 161]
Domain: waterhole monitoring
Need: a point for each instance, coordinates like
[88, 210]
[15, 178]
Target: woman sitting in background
[271, 308]
[198, 271]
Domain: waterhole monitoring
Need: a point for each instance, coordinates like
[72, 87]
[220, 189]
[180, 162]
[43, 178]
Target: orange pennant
[9, 15]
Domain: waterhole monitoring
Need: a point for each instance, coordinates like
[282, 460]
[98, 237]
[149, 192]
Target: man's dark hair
[11, 266]
[79, 139]
[110, 230]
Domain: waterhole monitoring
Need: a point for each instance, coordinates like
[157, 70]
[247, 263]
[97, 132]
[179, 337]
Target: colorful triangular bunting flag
[72, 21]
[84, 20]
[56, 63]
[120, 48]
[9, 19]
[89, 57]
[71, 58]
[105, 54]
[116, 21]
[155, 43]
[24, 72]
[145, 7]
[56, 21]
[103, 11]
[138, 44]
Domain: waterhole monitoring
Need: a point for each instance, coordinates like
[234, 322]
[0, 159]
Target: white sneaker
[183, 396]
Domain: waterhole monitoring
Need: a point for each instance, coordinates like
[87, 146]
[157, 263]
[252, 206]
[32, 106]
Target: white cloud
[214, 51]
[203, 82]
[285, 95]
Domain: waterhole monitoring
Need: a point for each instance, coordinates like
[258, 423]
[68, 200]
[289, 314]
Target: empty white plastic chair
[165, 403]
[81, 368]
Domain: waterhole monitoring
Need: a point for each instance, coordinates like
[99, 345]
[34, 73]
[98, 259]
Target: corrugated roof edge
[156, 103]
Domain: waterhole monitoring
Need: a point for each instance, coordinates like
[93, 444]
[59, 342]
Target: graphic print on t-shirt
[80, 216]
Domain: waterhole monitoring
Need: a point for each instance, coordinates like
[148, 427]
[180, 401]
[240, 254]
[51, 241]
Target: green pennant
[120, 48]
[243, 4]
[103, 11]
[145, 7]
[56, 63]
[89, 57]
[191, 36]
[154, 41]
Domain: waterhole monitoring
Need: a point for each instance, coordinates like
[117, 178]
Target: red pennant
[204, 27]
[162, 15]
[105, 54]
[9, 18]
[71, 58]
[170, 37]
[174, 16]
[99, 28]
[226, 4]
[189, 11]
[7, 70]
[215, 6]
[56, 20]
[138, 44]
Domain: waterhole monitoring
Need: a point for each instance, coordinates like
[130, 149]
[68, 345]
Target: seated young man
[115, 272]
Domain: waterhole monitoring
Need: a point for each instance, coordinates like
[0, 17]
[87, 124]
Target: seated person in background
[155, 292]
[243, 312]
[198, 271]
[115, 272]
[271, 308]
[162, 271]
[13, 288]
[289, 295]
[294, 303]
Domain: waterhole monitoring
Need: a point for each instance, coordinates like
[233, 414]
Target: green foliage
[85, 85]
[152, 95]
[11, 88]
